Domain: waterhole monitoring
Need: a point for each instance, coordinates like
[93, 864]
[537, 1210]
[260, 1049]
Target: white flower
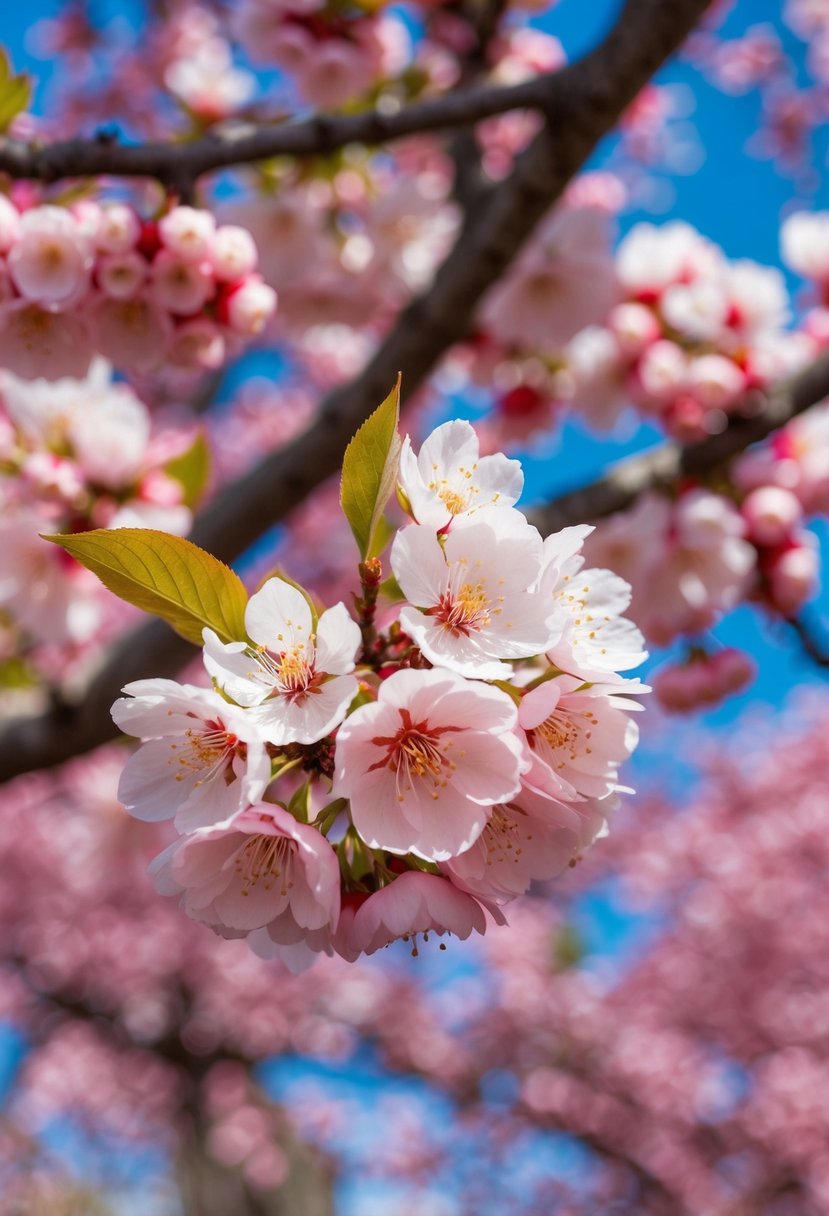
[595, 639]
[472, 588]
[579, 734]
[297, 676]
[448, 478]
[203, 761]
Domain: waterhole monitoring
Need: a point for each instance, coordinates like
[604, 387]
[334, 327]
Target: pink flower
[131, 333]
[118, 229]
[198, 343]
[474, 596]
[36, 343]
[580, 734]
[109, 434]
[50, 261]
[188, 233]
[121, 275]
[771, 514]
[179, 284]
[300, 678]
[414, 903]
[50, 602]
[449, 478]
[250, 306]
[232, 253]
[563, 282]
[530, 839]
[202, 761]
[263, 869]
[334, 71]
[424, 763]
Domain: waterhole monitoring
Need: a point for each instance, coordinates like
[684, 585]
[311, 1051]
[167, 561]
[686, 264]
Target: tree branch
[599, 88]
[247, 143]
[815, 647]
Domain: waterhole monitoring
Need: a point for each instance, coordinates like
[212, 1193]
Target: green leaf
[370, 473]
[165, 575]
[191, 470]
[15, 92]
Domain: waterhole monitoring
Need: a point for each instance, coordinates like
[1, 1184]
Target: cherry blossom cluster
[333, 52]
[343, 785]
[693, 559]
[704, 679]
[94, 278]
[691, 336]
[75, 454]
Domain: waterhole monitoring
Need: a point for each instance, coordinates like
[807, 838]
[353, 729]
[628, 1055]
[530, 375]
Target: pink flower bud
[793, 577]
[119, 229]
[188, 232]
[715, 381]
[251, 306]
[180, 285]
[770, 514]
[662, 370]
[121, 275]
[232, 253]
[635, 328]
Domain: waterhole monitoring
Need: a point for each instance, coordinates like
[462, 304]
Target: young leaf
[15, 92]
[166, 576]
[191, 470]
[370, 473]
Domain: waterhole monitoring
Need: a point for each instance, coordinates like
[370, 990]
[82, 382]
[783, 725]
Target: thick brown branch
[600, 87]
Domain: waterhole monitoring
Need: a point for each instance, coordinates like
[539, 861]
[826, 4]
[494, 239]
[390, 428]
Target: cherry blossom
[202, 760]
[529, 839]
[423, 765]
[264, 869]
[414, 904]
[449, 481]
[580, 735]
[473, 593]
[298, 674]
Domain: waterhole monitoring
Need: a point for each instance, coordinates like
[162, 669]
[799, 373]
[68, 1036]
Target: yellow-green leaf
[191, 470]
[165, 575]
[370, 473]
[15, 92]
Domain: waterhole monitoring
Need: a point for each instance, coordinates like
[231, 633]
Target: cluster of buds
[348, 781]
[787, 554]
[693, 334]
[90, 278]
